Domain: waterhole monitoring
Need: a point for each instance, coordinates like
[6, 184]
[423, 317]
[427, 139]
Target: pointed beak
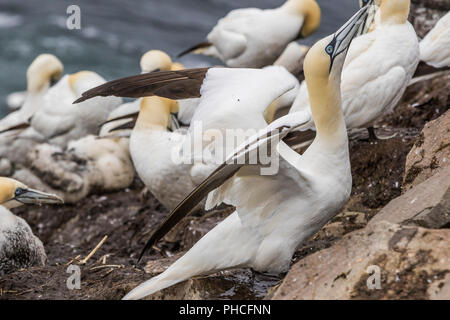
[31, 196]
[356, 26]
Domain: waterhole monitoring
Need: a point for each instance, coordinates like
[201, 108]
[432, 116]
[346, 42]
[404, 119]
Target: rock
[426, 205]
[430, 152]
[229, 284]
[343, 224]
[413, 264]
[425, 13]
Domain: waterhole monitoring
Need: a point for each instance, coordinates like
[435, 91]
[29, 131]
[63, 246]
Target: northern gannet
[41, 74]
[435, 47]
[45, 67]
[274, 213]
[254, 38]
[19, 247]
[378, 68]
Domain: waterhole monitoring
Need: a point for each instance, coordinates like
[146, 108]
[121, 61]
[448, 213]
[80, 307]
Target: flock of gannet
[352, 78]
[384, 58]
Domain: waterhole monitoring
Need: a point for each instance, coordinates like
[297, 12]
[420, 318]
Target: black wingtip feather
[201, 45]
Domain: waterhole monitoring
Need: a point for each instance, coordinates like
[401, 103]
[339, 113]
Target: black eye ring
[18, 192]
[329, 49]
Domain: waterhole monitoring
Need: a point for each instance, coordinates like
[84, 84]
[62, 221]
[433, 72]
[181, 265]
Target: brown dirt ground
[127, 218]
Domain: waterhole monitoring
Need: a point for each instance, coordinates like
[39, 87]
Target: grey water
[115, 33]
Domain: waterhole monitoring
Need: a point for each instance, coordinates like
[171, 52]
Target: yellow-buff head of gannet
[309, 10]
[155, 112]
[43, 72]
[323, 68]
[14, 194]
[155, 60]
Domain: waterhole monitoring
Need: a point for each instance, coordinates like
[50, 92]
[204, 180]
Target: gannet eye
[329, 49]
[18, 192]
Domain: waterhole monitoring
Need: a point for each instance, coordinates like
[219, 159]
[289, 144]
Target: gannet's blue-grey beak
[356, 26]
[30, 196]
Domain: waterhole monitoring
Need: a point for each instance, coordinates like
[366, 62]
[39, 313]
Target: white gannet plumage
[41, 73]
[435, 47]
[58, 121]
[274, 213]
[15, 100]
[19, 247]
[254, 38]
[378, 68]
[44, 70]
[292, 59]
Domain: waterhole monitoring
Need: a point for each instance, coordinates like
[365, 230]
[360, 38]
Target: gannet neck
[325, 95]
[45, 69]
[155, 113]
[394, 11]
[309, 10]
[326, 109]
[155, 60]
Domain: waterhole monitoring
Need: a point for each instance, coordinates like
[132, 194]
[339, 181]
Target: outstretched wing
[243, 155]
[180, 84]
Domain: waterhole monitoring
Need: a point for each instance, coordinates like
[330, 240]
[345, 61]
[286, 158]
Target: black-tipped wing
[198, 48]
[129, 116]
[124, 126]
[180, 84]
[243, 155]
[20, 126]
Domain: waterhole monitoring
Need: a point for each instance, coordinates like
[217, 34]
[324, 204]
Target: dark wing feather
[180, 84]
[20, 126]
[215, 180]
[133, 116]
[198, 47]
[127, 125]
